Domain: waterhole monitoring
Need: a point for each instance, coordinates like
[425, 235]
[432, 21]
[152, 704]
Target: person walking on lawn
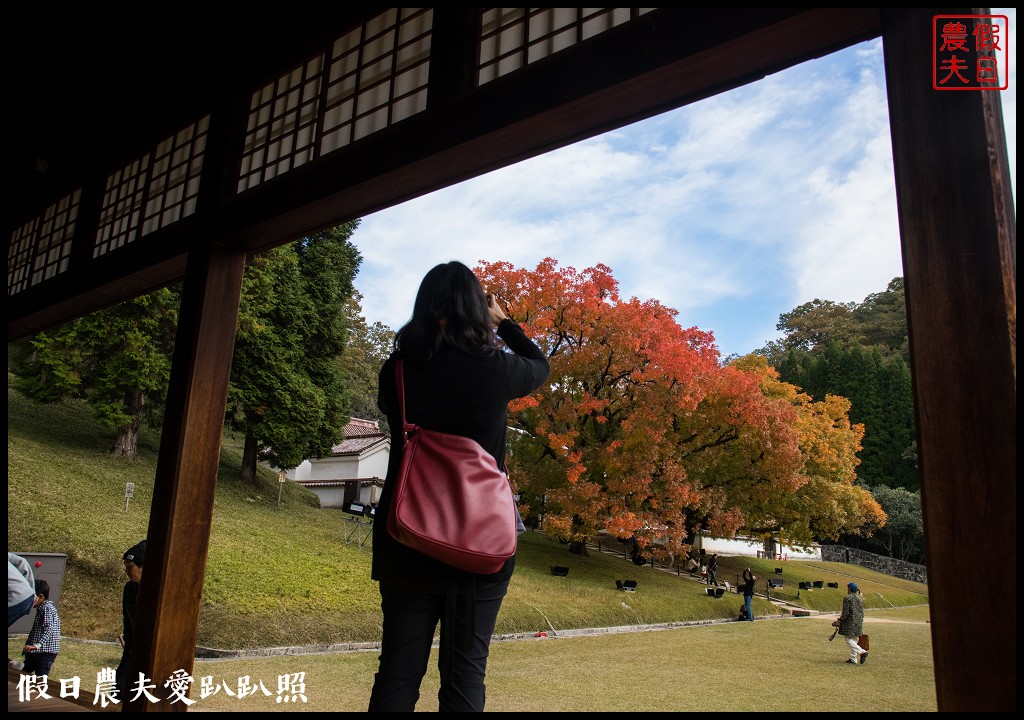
[851, 622]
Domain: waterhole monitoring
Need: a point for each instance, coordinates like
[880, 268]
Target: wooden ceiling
[98, 91]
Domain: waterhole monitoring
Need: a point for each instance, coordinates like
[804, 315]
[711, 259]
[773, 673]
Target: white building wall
[330, 497]
[811, 553]
[302, 472]
[372, 465]
[730, 546]
[752, 548]
[335, 468]
[375, 464]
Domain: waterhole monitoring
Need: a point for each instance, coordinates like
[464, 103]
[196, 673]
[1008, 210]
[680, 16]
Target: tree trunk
[249, 459]
[577, 547]
[126, 444]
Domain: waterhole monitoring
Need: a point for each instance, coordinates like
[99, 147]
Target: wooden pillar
[170, 593]
[958, 230]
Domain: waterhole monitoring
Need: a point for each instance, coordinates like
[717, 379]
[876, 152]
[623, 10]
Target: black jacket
[129, 600]
[459, 393]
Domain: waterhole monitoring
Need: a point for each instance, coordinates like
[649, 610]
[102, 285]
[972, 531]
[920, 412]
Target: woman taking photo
[457, 380]
[749, 579]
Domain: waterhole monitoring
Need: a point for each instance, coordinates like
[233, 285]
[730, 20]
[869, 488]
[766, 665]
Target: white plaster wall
[334, 468]
[743, 546]
[302, 472]
[372, 465]
[330, 497]
[375, 464]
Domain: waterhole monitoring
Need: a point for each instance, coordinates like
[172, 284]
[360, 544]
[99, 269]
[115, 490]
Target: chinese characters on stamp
[970, 52]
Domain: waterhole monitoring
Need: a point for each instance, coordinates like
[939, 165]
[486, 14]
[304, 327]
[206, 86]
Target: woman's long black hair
[450, 309]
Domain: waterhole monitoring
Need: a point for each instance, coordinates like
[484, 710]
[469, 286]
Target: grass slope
[284, 575]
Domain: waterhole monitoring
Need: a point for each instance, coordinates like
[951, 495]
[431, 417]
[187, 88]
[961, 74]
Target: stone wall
[881, 563]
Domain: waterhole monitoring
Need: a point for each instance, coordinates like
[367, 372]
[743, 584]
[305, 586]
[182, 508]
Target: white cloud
[732, 210]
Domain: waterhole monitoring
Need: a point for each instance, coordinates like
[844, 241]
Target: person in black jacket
[747, 586]
[457, 380]
[134, 557]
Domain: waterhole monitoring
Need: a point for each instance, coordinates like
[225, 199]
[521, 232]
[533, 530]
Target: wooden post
[959, 237]
[186, 476]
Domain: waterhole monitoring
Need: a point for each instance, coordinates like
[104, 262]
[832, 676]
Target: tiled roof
[361, 427]
[359, 436]
[339, 483]
[354, 446]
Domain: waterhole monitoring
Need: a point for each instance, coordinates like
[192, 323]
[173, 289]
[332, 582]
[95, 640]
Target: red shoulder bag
[450, 500]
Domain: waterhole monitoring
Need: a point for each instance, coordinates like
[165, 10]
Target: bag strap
[408, 427]
[400, 389]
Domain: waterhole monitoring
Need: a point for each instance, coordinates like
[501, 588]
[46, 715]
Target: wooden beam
[958, 231]
[186, 476]
[631, 73]
[662, 60]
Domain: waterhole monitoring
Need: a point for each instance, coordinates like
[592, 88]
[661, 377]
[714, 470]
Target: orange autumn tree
[640, 432]
[793, 476]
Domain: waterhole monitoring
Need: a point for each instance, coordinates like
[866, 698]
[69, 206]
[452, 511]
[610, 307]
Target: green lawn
[285, 576]
[772, 665]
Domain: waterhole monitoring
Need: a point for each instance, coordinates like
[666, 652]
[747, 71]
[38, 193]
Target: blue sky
[732, 210]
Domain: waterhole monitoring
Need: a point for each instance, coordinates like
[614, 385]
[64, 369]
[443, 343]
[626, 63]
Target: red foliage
[641, 432]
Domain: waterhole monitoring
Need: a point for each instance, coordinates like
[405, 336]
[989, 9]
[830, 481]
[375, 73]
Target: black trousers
[121, 675]
[39, 663]
[467, 614]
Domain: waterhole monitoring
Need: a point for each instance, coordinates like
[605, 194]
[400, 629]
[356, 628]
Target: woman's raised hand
[494, 311]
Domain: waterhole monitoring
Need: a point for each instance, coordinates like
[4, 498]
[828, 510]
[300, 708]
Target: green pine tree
[118, 360]
[287, 390]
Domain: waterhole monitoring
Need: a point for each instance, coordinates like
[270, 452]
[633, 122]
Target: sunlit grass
[284, 576]
[774, 666]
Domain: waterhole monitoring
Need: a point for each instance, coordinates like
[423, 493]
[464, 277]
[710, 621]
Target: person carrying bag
[850, 624]
[456, 381]
[450, 501]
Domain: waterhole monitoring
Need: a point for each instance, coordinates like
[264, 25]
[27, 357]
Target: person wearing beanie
[134, 558]
[135, 554]
[851, 623]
